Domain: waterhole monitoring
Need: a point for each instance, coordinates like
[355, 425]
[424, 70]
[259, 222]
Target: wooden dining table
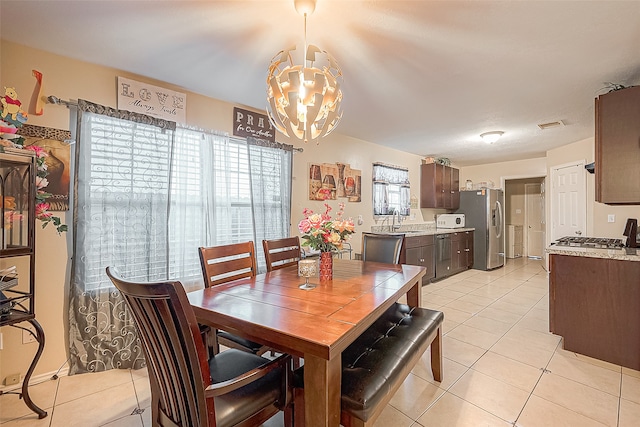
[316, 324]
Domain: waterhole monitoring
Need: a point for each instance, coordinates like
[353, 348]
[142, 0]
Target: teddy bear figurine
[11, 106]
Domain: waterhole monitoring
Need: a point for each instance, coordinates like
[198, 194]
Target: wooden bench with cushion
[377, 363]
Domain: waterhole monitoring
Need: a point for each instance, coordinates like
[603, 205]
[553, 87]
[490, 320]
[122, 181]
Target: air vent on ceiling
[545, 126]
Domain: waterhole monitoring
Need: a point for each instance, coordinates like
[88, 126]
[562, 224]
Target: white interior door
[568, 200]
[534, 221]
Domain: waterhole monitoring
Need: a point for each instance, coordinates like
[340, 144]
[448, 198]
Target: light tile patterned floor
[501, 368]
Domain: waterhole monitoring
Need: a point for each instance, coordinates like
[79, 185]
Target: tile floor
[502, 368]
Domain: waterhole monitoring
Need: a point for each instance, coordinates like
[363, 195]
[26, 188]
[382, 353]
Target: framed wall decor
[329, 181]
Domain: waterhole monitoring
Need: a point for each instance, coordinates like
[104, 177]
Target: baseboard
[36, 379]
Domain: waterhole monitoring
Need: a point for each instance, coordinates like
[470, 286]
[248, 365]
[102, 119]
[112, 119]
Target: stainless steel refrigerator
[483, 211]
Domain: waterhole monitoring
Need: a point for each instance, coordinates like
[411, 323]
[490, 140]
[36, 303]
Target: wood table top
[270, 308]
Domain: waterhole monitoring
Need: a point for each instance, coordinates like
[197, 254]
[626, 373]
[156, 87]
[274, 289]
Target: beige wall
[597, 213]
[498, 172]
[70, 79]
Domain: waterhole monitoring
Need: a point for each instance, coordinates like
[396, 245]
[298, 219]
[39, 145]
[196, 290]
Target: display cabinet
[17, 250]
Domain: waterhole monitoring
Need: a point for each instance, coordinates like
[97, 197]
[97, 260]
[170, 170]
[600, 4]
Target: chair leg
[436, 355]
[212, 342]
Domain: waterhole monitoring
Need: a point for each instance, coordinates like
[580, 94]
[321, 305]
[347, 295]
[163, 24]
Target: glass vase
[326, 266]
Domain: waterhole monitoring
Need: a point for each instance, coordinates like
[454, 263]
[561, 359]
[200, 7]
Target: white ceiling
[424, 77]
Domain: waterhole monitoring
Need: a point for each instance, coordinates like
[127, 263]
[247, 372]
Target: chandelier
[304, 100]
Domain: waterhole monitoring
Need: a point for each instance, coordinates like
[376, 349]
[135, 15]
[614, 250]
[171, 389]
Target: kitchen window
[391, 190]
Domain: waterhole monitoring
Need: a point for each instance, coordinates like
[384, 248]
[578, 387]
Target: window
[390, 190]
[149, 197]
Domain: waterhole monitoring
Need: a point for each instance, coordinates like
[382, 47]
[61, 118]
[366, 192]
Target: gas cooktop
[590, 242]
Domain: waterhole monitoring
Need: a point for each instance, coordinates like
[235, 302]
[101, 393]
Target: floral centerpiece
[322, 233]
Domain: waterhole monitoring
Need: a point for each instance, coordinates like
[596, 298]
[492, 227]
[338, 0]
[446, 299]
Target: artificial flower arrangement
[10, 120]
[324, 234]
[42, 207]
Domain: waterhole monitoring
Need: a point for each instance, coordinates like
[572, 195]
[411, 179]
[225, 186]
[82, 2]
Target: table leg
[39, 335]
[322, 391]
[414, 295]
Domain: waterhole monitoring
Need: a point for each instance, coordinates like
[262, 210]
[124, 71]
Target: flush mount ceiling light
[304, 100]
[491, 137]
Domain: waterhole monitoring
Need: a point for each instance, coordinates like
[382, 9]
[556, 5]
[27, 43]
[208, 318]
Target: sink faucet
[396, 213]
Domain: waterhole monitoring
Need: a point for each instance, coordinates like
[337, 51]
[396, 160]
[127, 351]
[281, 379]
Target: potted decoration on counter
[13, 117]
[322, 233]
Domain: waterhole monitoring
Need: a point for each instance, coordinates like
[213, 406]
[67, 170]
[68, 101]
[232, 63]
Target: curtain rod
[52, 99]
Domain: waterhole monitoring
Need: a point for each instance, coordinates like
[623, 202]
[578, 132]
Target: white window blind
[148, 198]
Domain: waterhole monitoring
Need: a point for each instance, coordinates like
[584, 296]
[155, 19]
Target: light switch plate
[611, 218]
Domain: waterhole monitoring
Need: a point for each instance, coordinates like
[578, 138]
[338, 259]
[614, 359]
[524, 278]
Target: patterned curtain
[147, 195]
[121, 196]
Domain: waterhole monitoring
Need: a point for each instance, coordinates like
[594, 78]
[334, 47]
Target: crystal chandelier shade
[304, 100]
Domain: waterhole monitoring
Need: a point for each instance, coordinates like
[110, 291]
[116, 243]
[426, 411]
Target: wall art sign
[151, 100]
[328, 181]
[249, 123]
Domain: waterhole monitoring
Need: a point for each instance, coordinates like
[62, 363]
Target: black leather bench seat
[376, 363]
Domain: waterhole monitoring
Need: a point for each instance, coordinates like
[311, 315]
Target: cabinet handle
[458, 251]
[466, 250]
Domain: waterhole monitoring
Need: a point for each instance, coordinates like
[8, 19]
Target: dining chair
[222, 264]
[281, 253]
[382, 247]
[187, 388]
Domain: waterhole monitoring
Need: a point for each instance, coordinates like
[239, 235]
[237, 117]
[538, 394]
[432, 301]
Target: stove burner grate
[590, 242]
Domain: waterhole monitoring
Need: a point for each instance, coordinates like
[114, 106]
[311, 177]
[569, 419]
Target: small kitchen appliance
[450, 221]
[631, 231]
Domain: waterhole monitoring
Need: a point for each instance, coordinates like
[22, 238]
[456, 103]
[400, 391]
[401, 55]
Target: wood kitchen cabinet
[419, 250]
[594, 304]
[617, 143]
[461, 251]
[439, 186]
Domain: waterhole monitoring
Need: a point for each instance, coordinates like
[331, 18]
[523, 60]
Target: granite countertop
[623, 254]
[428, 232]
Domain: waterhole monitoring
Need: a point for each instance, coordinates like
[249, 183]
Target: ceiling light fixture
[304, 100]
[491, 137]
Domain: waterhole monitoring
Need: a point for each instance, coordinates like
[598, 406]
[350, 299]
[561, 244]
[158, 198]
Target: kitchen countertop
[623, 254]
[430, 232]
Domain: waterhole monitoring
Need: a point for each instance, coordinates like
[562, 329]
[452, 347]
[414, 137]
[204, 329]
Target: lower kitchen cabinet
[419, 250]
[594, 305]
[461, 251]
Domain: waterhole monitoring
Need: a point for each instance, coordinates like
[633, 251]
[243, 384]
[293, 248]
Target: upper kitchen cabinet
[439, 186]
[618, 147]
